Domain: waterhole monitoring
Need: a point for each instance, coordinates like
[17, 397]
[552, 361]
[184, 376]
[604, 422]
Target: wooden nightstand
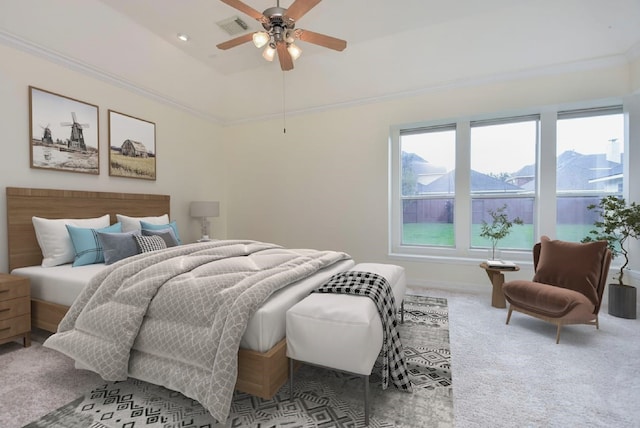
[15, 309]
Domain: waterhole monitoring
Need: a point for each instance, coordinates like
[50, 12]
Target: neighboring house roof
[614, 174]
[525, 171]
[575, 171]
[421, 166]
[479, 183]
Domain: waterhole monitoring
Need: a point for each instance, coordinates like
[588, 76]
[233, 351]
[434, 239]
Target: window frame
[505, 120]
[544, 195]
[581, 113]
[426, 196]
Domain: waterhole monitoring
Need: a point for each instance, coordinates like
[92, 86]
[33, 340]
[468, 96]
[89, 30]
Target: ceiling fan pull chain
[284, 106]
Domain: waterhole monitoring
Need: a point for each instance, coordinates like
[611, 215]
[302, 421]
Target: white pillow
[54, 240]
[130, 224]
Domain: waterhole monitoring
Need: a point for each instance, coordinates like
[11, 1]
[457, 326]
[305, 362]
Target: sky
[122, 127]
[509, 147]
[52, 110]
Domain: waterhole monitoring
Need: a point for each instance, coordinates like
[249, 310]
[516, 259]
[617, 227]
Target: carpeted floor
[505, 375]
[321, 397]
[517, 376]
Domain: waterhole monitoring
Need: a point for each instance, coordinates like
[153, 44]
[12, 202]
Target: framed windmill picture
[63, 133]
[132, 147]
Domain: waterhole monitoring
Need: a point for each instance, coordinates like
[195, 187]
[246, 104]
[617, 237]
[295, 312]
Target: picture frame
[63, 133]
[132, 146]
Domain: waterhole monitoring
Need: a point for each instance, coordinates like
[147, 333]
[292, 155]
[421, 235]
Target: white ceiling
[394, 47]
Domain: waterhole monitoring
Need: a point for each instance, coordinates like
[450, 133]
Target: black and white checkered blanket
[377, 288]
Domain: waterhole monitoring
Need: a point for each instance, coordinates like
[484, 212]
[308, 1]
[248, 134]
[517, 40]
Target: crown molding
[634, 52]
[55, 57]
[556, 69]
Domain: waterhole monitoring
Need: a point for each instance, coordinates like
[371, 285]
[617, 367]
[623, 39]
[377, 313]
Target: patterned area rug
[322, 397]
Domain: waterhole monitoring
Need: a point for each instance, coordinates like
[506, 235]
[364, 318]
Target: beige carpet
[37, 380]
[517, 376]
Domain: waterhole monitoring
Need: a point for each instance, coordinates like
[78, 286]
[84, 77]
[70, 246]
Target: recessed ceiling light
[183, 37]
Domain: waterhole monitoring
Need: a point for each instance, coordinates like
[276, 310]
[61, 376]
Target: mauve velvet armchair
[567, 286]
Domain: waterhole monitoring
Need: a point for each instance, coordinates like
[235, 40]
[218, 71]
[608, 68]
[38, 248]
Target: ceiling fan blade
[300, 7]
[235, 42]
[242, 7]
[286, 62]
[321, 39]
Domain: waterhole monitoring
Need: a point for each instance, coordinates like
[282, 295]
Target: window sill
[521, 258]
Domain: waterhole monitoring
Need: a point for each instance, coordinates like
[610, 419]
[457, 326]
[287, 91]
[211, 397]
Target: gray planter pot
[622, 301]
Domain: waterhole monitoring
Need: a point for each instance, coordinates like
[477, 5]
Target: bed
[262, 362]
[23, 248]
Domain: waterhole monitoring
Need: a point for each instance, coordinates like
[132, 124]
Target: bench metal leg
[366, 400]
[402, 312]
[290, 379]
[367, 405]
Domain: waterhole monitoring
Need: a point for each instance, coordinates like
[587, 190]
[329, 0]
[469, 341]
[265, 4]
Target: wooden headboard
[24, 203]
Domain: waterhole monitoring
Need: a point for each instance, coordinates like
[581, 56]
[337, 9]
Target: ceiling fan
[281, 32]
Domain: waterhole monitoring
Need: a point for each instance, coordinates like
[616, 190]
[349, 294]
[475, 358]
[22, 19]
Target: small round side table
[496, 276]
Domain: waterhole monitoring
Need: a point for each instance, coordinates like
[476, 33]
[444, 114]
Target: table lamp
[204, 210]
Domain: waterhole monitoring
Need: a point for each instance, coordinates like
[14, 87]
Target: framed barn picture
[63, 133]
[132, 147]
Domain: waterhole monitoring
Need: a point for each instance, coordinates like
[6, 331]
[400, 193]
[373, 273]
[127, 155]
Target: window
[503, 172]
[589, 165]
[545, 166]
[428, 185]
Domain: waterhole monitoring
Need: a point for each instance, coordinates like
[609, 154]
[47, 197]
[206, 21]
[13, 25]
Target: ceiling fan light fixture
[260, 38]
[294, 51]
[289, 37]
[279, 32]
[269, 53]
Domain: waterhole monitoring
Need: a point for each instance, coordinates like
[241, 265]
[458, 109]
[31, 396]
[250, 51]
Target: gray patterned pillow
[149, 243]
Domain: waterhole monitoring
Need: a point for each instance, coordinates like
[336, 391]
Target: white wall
[190, 165]
[324, 184]
[634, 71]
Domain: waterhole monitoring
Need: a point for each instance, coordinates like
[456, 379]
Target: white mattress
[58, 284]
[62, 284]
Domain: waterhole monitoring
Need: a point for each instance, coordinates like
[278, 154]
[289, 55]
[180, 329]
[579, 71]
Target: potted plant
[618, 222]
[499, 227]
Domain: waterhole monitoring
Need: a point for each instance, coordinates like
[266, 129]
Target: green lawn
[521, 237]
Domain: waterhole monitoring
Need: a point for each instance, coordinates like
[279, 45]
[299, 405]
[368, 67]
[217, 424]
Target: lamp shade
[294, 51]
[260, 38]
[204, 209]
[269, 53]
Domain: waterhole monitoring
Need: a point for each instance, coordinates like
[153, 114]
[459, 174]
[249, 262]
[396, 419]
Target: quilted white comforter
[175, 317]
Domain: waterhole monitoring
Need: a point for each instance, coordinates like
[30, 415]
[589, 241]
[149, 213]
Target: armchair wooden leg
[509, 314]
[558, 334]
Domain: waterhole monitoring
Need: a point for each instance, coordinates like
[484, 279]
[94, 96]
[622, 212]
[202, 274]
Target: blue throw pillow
[172, 225]
[118, 246]
[86, 244]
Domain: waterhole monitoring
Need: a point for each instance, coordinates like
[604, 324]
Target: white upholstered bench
[340, 331]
